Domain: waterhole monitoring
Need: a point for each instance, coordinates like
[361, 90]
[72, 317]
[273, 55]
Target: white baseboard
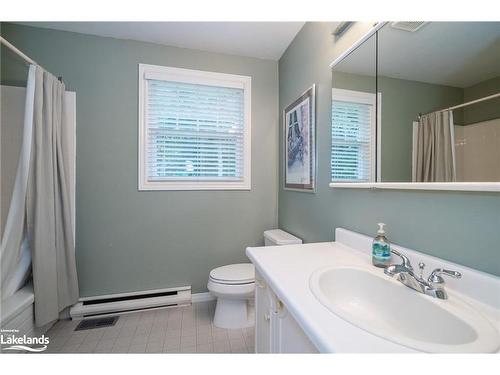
[207, 297]
[202, 297]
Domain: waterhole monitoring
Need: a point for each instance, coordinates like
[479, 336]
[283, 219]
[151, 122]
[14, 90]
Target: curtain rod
[464, 104]
[17, 51]
[26, 58]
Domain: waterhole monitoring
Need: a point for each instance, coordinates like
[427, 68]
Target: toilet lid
[240, 273]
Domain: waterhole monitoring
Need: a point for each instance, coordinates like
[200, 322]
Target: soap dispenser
[381, 248]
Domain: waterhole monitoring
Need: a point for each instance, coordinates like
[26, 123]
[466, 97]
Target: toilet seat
[234, 274]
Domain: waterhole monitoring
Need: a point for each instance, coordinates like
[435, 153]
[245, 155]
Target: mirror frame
[447, 186]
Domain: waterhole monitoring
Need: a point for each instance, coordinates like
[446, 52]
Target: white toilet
[234, 285]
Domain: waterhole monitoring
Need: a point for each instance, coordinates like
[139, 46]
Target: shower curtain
[46, 220]
[15, 254]
[434, 151]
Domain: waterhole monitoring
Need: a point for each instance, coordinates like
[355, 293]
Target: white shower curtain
[40, 214]
[434, 148]
[15, 256]
[48, 203]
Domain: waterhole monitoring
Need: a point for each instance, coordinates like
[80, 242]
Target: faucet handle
[435, 277]
[421, 267]
[406, 261]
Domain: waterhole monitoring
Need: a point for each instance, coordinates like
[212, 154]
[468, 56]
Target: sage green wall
[483, 111]
[355, 82]
[128, 240]
[461, 227]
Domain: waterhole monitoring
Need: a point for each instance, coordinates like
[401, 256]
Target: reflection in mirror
[353, 116]
[440, 118]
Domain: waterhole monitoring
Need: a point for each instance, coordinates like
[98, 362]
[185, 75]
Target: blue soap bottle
[381, 248]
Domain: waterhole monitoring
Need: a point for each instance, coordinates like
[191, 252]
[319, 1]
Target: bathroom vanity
[327, 297]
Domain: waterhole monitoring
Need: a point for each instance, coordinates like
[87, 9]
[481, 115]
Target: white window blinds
[352, 153]
[194, 132]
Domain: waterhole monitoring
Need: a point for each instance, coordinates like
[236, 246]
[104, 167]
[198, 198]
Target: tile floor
[187, 329]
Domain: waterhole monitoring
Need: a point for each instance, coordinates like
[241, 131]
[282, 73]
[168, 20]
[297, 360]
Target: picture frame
[299, 143]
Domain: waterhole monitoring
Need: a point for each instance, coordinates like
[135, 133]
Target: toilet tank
[276, 237]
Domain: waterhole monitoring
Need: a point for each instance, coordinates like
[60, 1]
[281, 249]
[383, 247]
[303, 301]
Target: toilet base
[231, 313]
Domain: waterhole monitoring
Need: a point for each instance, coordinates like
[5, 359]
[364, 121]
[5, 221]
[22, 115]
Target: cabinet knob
[267, 317]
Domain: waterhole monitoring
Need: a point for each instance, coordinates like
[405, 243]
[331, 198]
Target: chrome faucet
[433, 286]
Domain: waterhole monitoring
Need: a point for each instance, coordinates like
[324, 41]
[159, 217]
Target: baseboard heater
[123, 303]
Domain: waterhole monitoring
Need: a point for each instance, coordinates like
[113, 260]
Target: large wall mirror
[417, 105]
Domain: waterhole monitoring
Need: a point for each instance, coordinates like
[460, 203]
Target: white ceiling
[458, 54]
[266, 40]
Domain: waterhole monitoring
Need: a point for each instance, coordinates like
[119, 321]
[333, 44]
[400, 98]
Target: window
[194, 129]
[353, 136]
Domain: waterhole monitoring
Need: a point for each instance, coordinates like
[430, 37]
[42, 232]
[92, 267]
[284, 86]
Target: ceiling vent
[410, 26]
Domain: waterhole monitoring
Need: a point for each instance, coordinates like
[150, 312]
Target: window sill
[193, 186]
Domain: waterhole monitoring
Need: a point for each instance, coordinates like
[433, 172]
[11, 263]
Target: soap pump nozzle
[381, 228]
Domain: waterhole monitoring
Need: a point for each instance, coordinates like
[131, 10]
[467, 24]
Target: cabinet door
[262, 316]
[287, 335]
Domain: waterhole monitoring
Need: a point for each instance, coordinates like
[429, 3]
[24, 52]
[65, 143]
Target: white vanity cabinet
[262, 316]
[276, 331]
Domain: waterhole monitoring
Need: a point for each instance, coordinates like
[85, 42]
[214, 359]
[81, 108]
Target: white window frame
[363, 98]
[202, 78]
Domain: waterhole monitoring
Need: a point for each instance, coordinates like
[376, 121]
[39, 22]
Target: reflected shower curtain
[48, 215]
[435, 148]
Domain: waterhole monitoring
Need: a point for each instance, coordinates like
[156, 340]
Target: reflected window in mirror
[353, 155]
[353, 136]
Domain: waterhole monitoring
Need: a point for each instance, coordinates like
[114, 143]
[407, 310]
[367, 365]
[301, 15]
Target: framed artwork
[300, 143]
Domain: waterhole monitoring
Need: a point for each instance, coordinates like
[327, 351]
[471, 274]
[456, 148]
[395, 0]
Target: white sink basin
[372, 301]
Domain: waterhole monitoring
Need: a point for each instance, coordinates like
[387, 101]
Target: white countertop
[287, 270]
